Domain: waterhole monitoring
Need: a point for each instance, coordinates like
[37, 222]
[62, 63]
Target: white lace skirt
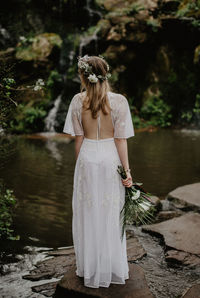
[98, 196]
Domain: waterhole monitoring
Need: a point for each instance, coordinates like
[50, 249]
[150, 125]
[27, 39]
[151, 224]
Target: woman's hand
[128, 182]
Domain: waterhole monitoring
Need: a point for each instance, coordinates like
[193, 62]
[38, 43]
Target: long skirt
[98, 197]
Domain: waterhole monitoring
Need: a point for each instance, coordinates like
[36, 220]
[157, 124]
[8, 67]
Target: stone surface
[156, 201]
[135, 287]
[193, 292]
[181, 233]
[135, 250]
[39, 48]
[53, 267]
[187, 196]
[165, 215]
[182, 257]
[61, 252]
[61, 259]
[47, 289]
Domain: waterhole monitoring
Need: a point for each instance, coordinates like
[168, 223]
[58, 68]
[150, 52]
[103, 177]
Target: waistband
[98, 140]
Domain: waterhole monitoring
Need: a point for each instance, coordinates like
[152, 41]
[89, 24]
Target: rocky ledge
[155, 266]
[62, 262]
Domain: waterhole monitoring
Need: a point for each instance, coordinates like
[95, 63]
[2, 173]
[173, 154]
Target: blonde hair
[96, 93]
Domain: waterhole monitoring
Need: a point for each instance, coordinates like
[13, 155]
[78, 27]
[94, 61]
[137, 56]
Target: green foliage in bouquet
[138, 207]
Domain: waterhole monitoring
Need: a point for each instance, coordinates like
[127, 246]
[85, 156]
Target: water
[50, 119]
[40, 171]
[164, 281]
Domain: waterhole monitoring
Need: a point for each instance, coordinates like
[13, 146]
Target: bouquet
[138, 207]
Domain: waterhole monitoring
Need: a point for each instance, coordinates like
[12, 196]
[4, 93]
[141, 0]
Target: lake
[40, 171]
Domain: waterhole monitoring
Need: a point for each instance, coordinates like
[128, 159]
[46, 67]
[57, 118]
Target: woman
[101, 122]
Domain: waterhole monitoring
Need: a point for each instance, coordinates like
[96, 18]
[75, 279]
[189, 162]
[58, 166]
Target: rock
[186, 197]
[53, 267]
[165, 205]
[105, 26]
[7, 54]
[113, 5]
[136, 286]
[61, 252]
[39, 48]
[113, 51]
[135, 250]
[182, 257]
[180, 233]
[156, 201]
[197, 54]
[165, 215]
[193, 292]
[47, 289]
[64, 258]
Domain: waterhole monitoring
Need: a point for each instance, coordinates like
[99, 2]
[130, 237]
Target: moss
[197, 54]
[155, 24]
[189, 8]
[39, 47]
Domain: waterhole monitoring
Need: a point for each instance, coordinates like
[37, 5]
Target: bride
[101, 122]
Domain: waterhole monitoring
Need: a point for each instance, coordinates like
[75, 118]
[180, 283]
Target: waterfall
[50, 119]
[91, 11]
[85, 40]
[4, 36]
[1, 131]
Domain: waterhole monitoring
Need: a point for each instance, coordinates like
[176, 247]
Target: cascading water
[50, 120]
[85, 40]
[92, 12]
[51, 117]
[66, 61]
[4, 36]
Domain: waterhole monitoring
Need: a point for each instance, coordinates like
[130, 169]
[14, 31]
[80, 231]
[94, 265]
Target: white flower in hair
[92, 78]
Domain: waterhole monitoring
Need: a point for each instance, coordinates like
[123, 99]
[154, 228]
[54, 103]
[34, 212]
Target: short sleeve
[73, 125]
[123, 127]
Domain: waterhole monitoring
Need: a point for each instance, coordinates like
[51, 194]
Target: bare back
[99, 128]
[116, 124]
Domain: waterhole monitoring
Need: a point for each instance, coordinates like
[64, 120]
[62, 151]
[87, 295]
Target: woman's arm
[122, 148]
[78, 143]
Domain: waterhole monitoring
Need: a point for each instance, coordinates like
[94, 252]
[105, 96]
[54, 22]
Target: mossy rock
[112, 5]
[197, 54]
[189, 8]
[40, 47]
[105, 26]
[112, 52]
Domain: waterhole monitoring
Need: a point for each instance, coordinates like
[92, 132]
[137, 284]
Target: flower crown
[92, 77]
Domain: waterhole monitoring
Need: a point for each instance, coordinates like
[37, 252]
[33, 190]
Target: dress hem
[112, 282]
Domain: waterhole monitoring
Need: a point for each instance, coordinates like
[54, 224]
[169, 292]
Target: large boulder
[38, 48]
[181, 233]
[193, 292]
[135, 287]
[187, 196]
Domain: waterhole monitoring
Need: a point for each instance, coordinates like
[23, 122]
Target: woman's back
[116, 124]
[99, 128]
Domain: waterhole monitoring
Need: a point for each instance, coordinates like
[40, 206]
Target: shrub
[156, 112]
[28, 118]
[193, 114]
[7, 204]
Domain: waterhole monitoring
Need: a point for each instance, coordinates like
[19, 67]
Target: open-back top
[116, 124]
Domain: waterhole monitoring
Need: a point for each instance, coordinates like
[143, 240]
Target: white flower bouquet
[138, 207]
